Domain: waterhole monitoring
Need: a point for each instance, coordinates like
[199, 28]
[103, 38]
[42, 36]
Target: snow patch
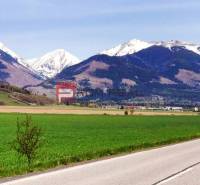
[134, 46]
[10, 52]
[130, 47]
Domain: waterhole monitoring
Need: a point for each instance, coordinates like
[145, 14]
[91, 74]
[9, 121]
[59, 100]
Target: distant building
[174, 108]
[66, 92]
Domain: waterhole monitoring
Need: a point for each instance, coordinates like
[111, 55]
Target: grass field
[8, 101]
[75, 138]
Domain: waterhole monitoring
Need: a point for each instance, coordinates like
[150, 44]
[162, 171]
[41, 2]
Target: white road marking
[175, 176]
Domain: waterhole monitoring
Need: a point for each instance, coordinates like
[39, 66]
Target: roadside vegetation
[6, 100]
[28, 140]
[75, 138]
[11, 95]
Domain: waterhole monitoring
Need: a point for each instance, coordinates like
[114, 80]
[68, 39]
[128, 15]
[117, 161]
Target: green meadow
[73, 138]
[5, 99]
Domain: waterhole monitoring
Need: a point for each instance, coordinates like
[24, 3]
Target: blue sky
[86, 27]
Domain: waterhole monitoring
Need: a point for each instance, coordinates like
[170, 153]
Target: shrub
[28, 140]
[132, 111]
[125, 112]
[2, 103]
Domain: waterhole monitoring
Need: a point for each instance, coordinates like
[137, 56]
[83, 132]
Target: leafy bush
[125, 112]
[28, 139]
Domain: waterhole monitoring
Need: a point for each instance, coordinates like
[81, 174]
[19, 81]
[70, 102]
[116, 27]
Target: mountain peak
[135, 41]
[60, 53]
[52, 63]
[135, 45]
[48, 65]
[129, 47]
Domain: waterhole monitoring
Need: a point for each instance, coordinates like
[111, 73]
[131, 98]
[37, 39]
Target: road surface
[172, 165]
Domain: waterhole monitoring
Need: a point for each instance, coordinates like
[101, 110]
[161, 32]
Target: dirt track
[79, 111]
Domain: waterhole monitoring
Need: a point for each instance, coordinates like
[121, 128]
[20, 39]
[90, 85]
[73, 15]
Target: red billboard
[66, 92]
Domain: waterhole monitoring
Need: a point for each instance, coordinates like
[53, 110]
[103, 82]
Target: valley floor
[81, 111]
[75, 138]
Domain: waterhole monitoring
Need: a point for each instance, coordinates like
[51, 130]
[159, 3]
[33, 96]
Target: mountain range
[136, 68]
[135, 45]
[168, 69]
[46, 66]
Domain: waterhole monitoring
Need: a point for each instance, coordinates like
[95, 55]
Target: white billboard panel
[65, 91]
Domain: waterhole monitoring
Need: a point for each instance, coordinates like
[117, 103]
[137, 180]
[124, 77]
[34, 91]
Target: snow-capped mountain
[130, 47]
[173, 43]
[52, 63]
[10, 52]
[167, 69]
[134, 46]
[48, 65]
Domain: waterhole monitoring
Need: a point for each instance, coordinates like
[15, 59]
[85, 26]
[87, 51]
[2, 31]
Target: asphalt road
[172, 165]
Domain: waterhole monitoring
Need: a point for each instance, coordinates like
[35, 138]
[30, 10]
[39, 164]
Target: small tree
[126, 112]
[28, 139]
[132, 111]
